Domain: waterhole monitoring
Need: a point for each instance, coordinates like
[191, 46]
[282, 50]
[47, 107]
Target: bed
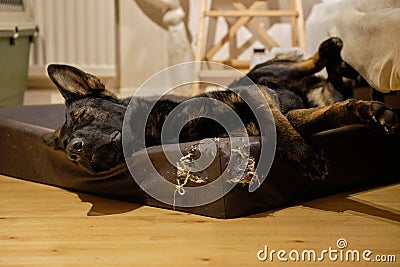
[359, 159]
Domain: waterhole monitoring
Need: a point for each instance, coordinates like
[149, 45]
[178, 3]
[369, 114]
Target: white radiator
[76, 32]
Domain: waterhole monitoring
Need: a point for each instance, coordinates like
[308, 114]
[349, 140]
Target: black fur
[301, 104]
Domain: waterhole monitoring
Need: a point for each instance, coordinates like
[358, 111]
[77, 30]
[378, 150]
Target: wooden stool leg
[199, 47]
[293, 24]
[300, 26]
[200, 34]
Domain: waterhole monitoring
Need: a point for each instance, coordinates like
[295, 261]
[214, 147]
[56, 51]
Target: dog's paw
[310, 162]
[331, 48]
[377, 114]
[315, 166]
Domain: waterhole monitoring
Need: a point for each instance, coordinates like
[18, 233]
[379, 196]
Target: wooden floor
[47, 226]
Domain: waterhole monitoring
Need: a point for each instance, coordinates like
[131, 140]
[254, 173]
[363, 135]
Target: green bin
[14, 60]
[17, 31]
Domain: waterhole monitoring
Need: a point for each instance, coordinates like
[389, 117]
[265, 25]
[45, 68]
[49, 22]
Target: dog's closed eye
[115, 136]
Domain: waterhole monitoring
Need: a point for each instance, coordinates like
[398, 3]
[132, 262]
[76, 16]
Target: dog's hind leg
[286, 74]
[351, 111]
[328, 53]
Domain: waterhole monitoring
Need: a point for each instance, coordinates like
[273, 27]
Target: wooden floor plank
[47, 226]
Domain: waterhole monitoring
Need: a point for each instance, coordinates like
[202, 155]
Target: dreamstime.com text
[340, 253]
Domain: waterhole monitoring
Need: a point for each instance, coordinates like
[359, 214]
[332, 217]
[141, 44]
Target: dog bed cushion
[359, 158]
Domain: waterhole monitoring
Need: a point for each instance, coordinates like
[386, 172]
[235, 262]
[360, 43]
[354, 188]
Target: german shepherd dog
[92, 132]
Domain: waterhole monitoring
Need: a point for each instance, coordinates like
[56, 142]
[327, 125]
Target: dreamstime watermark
[218, 109]
[340, 253]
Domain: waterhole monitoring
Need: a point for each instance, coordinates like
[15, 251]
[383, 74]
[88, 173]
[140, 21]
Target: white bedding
[370, 30]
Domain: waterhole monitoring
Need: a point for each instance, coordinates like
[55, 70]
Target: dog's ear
[74, 83]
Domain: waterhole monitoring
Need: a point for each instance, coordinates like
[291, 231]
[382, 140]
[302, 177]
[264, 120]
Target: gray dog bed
[358, 157]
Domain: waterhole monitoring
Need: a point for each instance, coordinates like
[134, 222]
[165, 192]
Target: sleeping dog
[305, 104]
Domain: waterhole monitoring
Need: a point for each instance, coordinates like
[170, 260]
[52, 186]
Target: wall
[78, 32]
[142, 47]
[81, 32]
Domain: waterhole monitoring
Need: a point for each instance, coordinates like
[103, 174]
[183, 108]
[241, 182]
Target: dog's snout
[75, 149]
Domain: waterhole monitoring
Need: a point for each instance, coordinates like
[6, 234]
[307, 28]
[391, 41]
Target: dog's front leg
[351, 111]
[294, 148]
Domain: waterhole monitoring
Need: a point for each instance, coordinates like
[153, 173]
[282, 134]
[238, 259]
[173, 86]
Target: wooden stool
[245, 17]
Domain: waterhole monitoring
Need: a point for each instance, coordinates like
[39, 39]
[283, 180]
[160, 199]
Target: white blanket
[370, 30]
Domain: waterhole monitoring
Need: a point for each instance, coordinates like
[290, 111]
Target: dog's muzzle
[74, 149]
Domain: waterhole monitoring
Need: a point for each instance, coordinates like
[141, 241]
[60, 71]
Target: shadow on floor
[105, 206]
[339, 203]
[347, 203]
